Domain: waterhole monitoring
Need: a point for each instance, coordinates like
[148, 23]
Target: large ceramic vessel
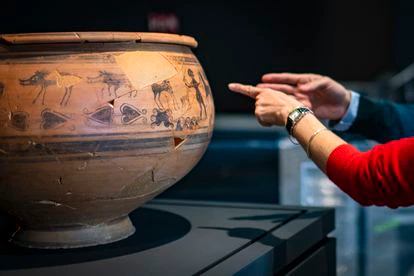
[92, 125]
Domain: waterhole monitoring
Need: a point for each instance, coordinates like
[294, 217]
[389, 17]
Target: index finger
[286, 78]
[246, 90]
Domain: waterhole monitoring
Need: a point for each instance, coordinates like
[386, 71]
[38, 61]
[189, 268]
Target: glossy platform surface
[189, 237]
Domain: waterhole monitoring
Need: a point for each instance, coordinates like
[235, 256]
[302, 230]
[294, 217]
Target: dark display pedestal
[177, 237]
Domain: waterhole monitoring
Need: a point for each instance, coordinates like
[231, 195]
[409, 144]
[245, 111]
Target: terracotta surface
[92, 125]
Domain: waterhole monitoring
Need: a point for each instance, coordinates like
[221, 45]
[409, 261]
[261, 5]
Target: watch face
[294, 114]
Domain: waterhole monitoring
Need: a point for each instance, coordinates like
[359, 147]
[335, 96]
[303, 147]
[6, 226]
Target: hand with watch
[277, 108]
[294, 117]
[272, 107]
[381, 176]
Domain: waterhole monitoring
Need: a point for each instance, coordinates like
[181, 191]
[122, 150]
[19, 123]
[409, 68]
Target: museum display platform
[183, 237]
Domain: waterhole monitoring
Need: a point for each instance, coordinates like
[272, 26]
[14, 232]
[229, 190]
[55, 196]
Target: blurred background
[366, 45]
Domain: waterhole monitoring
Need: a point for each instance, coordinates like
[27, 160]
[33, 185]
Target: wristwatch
[294, 117]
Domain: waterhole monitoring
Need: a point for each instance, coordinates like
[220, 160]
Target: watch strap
[295, 116]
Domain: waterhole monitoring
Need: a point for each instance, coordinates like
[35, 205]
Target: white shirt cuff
[350, 115]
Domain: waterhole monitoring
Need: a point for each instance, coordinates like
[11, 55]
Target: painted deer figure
[163, 87]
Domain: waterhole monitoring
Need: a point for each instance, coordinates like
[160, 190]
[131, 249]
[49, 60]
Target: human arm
[273, 108]
[327, 98]
[375, 119]
[383, 120]
[381, 176]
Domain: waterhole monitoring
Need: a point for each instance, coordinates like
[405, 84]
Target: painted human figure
[193, 83]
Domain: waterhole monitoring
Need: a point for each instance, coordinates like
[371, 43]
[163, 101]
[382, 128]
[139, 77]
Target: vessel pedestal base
[74, 237]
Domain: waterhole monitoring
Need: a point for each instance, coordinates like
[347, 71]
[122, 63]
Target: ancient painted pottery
[92, 125]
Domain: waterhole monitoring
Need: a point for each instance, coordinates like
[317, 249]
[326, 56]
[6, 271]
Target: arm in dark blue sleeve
[383, 120]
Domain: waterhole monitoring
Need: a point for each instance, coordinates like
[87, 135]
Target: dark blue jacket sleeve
[383, 121]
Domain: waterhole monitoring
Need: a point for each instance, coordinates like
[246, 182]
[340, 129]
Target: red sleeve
[382, 176]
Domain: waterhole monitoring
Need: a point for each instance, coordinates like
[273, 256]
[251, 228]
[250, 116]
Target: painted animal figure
[163, 87]
[45, 79]
[111, 80]
[66, 81]
[39, 79]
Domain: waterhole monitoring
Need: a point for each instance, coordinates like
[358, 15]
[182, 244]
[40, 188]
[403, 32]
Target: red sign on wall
[163, 22]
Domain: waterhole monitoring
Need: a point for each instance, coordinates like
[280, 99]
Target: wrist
[345, 105]
[305, 127]
[349, 115]
[288, 109]
[295, 116]
[285, 113]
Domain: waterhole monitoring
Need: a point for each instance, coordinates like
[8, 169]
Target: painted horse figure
[158, 89]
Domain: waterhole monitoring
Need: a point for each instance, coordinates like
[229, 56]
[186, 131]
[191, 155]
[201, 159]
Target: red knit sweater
[381, 176]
